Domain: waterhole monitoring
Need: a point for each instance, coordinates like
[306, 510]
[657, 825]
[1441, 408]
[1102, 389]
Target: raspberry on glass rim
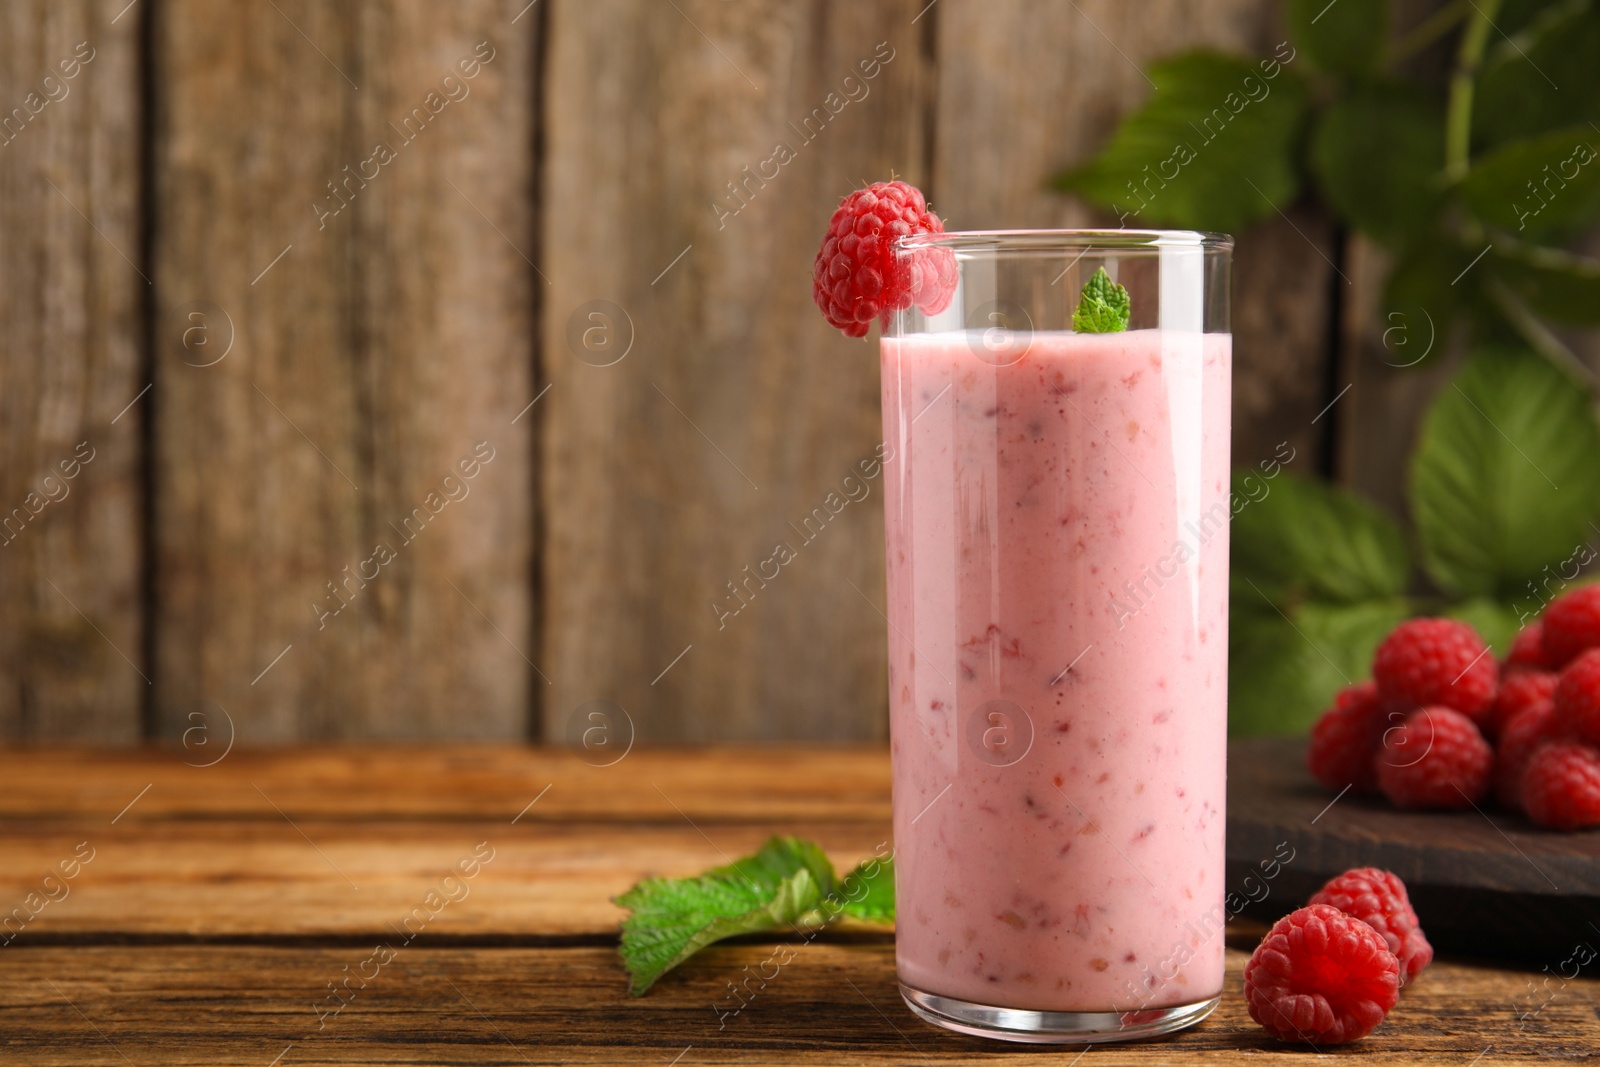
[857, 277]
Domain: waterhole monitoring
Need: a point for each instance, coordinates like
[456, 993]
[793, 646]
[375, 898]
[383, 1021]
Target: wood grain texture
[1483, 881]
[263, 878]
[311, 499]
[71, 656]
[713, 785]
[1046, 99]
[832, 1004]
[208, 934]
[737, 414]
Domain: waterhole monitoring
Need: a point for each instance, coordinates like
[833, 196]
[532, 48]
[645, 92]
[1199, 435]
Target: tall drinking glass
[1057, 528]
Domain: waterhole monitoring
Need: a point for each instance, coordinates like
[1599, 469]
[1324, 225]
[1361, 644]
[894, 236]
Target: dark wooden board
[1481, 880]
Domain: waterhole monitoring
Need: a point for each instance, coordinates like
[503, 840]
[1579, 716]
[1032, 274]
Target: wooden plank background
[561, 262]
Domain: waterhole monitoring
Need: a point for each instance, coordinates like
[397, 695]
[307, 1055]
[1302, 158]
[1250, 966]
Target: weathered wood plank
[1047, 98]
[831, 1003]
[72, 665]
[265, 879]
[736, 415]
[350, 191]
[717, 785]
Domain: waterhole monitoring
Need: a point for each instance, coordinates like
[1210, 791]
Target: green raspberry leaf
[1341, 38]
[673, 918]
[1104, 306]
[1504, 480]
[1215, 147]
[868, 891]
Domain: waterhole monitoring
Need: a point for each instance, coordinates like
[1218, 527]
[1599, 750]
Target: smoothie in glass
[1057, 535]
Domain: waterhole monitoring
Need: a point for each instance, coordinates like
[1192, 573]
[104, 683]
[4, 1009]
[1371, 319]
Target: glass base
[1052, 1027]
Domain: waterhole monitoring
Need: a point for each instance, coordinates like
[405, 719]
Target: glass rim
[1066, 240]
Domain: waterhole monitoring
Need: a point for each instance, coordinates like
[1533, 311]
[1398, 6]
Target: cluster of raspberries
[1441, 723]
[1329, 972]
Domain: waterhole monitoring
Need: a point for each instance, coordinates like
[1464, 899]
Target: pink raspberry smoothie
[1059, 832]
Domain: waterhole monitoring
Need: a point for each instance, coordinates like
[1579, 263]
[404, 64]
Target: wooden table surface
[184, 914]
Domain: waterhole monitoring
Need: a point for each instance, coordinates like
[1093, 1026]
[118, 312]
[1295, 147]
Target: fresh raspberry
[1435, 759]
[1346, 738]
[1518, 692]
[1436, 661]
[857, 276]
[1577, 697]
[1571, 625]
[1519, 739]
[1561, 786]
[1527, 650]
[1378, 898]
[1321, 977]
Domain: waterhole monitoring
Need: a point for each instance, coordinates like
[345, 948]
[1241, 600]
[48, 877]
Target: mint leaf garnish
[868, 891]
[787, 881]
[1103, 307]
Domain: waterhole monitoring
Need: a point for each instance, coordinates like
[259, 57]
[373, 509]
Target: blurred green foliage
[1477, 184]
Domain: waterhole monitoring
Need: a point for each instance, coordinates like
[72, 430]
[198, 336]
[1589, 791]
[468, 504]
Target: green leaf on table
[1558, 285]
[1345, 37]
[1505, 478]
[1296, 538]
[1103, 307]
[867, 891]
[1495, 622]
[673, 918]
[1213, 148]
[1377, 155]
[1542, 78]
[1282, 674]
[1541, 187]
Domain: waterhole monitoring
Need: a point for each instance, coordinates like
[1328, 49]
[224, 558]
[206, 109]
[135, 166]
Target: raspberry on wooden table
[1346, 738]
[1437, 661]
[1561, 786]
[1577, 697]
[1435, 759]
[1527, 650]
[1519, 692]
[1519, 739]
[857, 277]
[1321, 977]
[1571, 625]
[1378, 898]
